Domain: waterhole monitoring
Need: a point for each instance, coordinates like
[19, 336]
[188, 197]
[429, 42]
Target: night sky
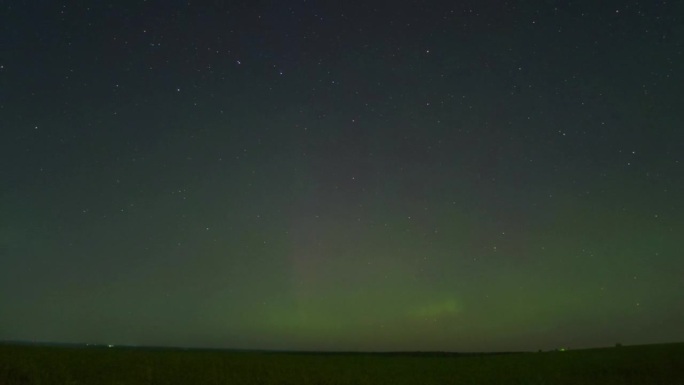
[324, 175]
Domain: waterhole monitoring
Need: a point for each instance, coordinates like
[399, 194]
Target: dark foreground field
[651, 364]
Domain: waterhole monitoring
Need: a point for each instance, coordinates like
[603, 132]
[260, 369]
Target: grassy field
[650, 364]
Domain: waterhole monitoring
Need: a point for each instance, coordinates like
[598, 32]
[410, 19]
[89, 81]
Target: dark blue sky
[306, 175]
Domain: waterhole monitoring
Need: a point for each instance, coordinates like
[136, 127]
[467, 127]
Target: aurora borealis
[310, 175]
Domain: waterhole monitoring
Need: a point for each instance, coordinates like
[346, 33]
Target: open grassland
[650, 364]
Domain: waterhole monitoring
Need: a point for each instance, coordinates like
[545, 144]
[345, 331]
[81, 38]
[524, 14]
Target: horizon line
[303, 351]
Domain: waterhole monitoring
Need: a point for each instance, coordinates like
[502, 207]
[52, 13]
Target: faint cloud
[440, 309]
